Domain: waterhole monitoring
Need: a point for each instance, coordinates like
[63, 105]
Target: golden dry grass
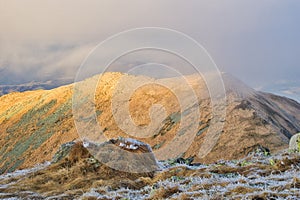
[244, 129]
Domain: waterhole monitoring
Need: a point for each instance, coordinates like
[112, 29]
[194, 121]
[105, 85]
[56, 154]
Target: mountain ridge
[33, 85]
[38, 122]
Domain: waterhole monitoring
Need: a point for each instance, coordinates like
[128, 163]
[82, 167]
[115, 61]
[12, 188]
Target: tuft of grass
[164, 192]
[272, 162]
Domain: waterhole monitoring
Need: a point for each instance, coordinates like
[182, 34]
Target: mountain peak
[34, 124]
[236, 87]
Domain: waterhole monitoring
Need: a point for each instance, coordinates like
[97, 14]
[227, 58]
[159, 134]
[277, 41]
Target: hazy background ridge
[256, 41]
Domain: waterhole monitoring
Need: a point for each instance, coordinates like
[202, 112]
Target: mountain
[34, 85]
[34, 124]
[289, 89]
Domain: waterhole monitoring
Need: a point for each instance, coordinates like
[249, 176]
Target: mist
[256, 41]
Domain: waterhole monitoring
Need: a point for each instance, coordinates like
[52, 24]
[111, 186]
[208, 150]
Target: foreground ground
[79, 176]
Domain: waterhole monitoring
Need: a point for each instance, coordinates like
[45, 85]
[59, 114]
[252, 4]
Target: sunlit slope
[34, 124]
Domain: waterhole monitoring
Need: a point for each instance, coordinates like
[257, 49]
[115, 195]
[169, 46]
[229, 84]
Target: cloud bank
[256, 41]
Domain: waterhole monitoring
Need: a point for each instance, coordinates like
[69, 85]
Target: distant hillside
[34, 124]
[47, 85]
[287, 89]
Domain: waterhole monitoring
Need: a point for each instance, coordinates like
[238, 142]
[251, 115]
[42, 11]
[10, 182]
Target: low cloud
[254, 40]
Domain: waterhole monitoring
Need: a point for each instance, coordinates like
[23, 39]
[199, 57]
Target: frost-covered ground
[255, 177]
[8, 179]
[275, 185]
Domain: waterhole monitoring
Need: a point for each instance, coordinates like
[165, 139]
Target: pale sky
[255, 40]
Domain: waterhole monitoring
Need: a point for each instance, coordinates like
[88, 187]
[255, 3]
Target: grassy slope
[34, 124]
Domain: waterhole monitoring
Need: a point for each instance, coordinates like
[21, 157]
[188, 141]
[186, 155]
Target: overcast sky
[255, 40]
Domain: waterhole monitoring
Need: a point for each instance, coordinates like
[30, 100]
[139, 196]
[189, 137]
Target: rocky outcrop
[122, 154]
[295, 143]
[125, 154]
[76, 169]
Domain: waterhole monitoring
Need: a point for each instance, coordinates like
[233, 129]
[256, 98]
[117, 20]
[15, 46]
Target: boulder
[125, 154]
[295, 143]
